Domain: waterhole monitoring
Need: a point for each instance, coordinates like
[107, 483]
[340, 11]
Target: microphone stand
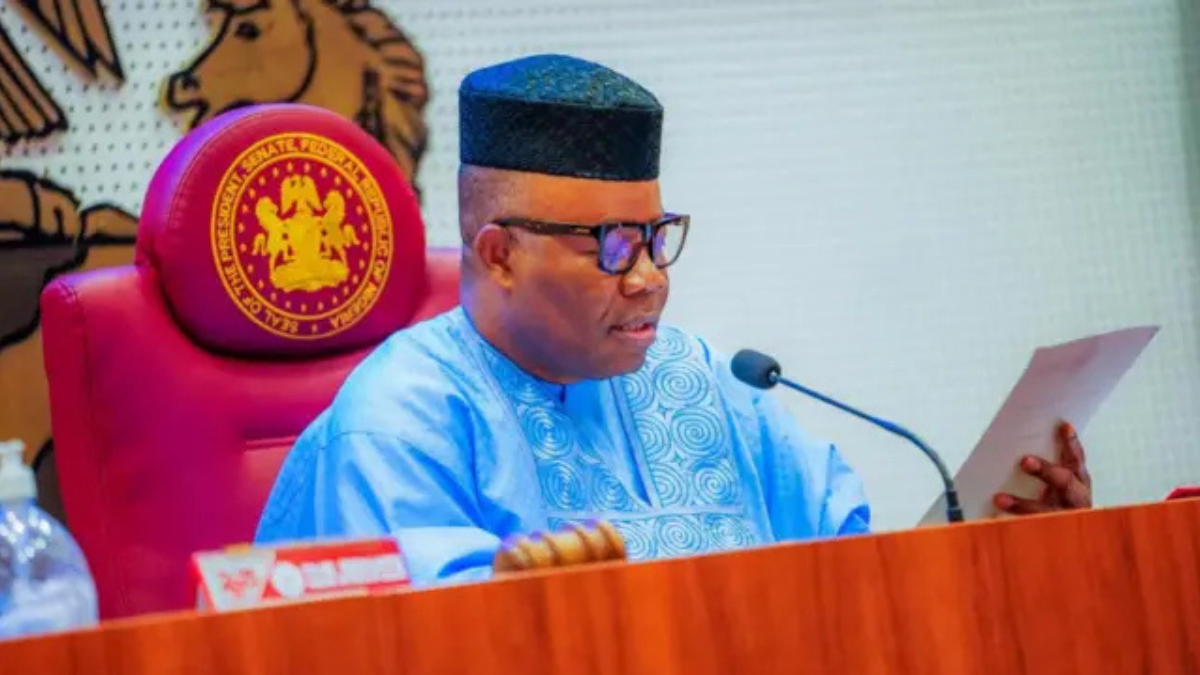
[954, 512]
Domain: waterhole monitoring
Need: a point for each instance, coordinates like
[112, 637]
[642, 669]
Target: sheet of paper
[1063, 382]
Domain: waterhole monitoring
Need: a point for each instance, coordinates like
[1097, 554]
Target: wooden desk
[1107, 591]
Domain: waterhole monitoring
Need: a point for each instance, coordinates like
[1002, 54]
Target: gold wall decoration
[343, 55]
[43, 233]
[79, 30]
[27, 110]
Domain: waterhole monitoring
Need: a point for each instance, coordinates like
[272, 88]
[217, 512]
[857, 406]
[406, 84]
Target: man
[553, 395]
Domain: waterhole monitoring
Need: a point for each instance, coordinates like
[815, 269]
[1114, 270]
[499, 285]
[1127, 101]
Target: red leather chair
[277, 246]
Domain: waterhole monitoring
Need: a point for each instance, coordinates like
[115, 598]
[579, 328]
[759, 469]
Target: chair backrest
[277, 246]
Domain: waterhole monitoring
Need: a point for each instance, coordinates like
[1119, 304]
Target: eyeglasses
[620, 243]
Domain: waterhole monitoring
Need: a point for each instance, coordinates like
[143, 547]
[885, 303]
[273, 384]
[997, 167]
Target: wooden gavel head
[575, 545]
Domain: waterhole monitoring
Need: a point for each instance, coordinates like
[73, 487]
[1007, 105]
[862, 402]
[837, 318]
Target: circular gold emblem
[301, 236]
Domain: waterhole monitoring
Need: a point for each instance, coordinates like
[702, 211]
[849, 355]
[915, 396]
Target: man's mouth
[640, 330]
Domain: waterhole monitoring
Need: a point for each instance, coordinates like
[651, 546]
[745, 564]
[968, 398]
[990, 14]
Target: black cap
[560, 115]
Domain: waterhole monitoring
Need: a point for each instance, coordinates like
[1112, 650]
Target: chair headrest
[284, 229]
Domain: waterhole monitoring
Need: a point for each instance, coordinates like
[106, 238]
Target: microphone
[759, 370]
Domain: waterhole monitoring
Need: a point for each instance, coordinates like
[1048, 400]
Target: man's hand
[575, 546]
[1068, 484]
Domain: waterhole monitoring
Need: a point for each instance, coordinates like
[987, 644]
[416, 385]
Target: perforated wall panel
[900, 200]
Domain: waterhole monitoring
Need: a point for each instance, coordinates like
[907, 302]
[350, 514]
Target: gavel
[574, 545]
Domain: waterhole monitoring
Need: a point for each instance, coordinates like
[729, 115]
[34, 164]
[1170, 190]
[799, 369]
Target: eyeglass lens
[621, 245]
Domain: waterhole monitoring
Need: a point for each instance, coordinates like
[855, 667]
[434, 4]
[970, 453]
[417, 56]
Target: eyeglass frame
[599, 230]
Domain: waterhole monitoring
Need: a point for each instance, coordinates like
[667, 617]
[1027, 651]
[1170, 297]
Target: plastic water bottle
[45, 583]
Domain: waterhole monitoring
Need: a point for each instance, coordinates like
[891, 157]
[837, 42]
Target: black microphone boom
[759, 370]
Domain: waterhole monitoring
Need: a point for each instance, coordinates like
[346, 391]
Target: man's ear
[493, 249]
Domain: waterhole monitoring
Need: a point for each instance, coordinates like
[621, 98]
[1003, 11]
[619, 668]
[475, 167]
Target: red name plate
[245, 576]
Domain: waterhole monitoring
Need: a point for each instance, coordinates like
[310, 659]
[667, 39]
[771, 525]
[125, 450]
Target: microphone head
[756, 369]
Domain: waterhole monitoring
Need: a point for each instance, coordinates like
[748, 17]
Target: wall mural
[343, 55]
[27, 110]
[79, 30]
[44, 231]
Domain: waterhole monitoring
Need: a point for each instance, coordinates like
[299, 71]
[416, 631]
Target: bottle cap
[16, 478]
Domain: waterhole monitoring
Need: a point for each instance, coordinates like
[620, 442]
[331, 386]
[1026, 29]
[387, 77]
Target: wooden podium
[1106, 591]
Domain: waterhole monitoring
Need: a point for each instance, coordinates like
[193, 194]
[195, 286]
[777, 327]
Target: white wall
[900, 200]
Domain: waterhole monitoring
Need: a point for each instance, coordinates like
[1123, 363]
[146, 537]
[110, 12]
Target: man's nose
[644, 276]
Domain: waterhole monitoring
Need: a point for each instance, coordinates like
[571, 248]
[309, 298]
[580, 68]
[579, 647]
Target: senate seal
[301, 236]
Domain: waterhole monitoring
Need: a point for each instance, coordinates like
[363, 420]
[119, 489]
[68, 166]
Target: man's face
[576, 320]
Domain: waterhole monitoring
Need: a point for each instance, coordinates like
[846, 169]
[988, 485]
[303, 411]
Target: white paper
[1067, 382]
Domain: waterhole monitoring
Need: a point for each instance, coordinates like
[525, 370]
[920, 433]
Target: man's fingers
[1070, 490]
[1050, 497]
[1071, 452]
[1018, 506]
[1056, 476]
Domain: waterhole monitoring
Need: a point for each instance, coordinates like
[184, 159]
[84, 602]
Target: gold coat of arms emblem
[301, 236]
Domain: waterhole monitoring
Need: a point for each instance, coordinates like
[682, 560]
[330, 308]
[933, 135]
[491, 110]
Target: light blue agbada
[440, 440]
